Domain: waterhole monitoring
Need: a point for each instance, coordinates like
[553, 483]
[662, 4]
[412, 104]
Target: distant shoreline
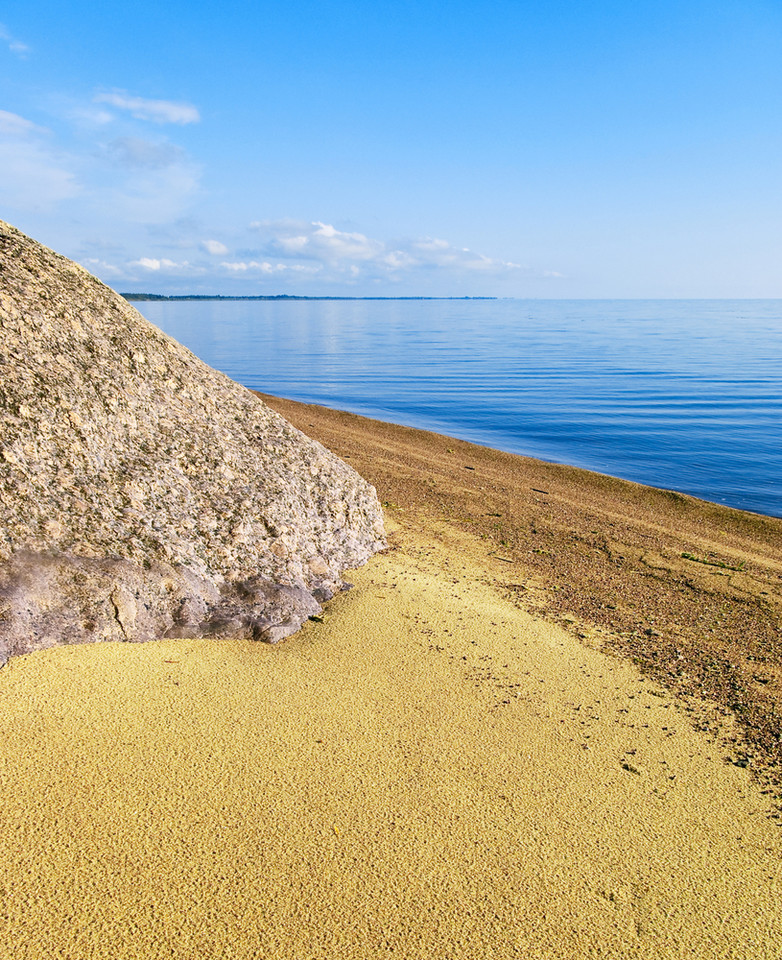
[280, 296]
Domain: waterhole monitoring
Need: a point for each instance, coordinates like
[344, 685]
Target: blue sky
[529, 149]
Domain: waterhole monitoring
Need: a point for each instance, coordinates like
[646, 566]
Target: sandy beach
[544, 724]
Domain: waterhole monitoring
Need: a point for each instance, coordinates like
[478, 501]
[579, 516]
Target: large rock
[143, 494]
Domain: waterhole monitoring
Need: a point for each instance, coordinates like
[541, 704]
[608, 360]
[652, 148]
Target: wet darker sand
[690, 591]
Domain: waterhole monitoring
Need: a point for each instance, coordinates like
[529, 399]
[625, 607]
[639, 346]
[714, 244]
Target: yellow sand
[428, 773]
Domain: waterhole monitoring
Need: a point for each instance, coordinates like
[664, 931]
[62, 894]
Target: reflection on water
[678, 394]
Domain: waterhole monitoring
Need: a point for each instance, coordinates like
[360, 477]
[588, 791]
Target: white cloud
[87, 116]
[137, 180]
[102, 268]
[157, 111]
[354, 255]
[11, 124]
[316, 241]
[14, 45]
[135, 152]
[214, 247]
[151, 195]
[431, 252]
[266, 268]
[36, 175]
[156, 265]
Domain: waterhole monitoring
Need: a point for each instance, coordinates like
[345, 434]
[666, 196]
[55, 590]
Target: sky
[514, 148]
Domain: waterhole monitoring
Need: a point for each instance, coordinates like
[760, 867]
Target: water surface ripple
[677, 394]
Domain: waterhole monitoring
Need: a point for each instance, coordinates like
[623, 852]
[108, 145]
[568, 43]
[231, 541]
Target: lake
[680, 394]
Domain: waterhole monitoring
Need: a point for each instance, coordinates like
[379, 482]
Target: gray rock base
[143, 494]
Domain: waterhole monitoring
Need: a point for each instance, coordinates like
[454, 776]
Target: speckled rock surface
[143, 494]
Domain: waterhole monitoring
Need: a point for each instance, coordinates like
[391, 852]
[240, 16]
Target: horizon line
[140, 296]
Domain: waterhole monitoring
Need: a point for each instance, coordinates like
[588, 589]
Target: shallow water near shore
[683, 395]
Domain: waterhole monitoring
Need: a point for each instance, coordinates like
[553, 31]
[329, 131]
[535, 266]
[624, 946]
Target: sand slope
[429, 772]
[689, 590]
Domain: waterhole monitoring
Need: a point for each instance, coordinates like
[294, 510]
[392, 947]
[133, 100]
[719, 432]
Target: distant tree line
[279, 296]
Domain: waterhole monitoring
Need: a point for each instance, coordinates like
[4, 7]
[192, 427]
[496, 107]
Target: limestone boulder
[144, 494]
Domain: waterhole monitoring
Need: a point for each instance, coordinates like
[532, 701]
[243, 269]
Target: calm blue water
[685, 395]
